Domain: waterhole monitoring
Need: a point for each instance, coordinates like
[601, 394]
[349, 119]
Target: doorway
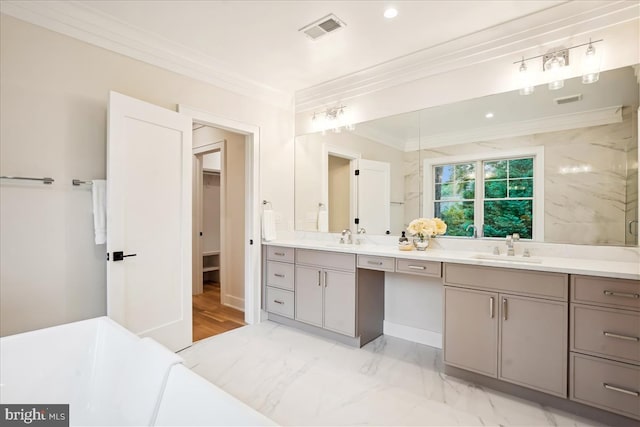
[252, 252]
[218, 232]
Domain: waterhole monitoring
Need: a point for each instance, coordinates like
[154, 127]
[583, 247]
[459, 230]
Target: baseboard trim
[409, 333]
[234, 302]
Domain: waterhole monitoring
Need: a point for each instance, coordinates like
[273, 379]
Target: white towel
[323, 221]
[268, 225]
[99, 192]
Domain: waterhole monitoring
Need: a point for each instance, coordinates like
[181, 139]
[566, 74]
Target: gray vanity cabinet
[340, 302]
[309, 295]
[533, 343]
[471, 330]
[326, 296]
[510, 328]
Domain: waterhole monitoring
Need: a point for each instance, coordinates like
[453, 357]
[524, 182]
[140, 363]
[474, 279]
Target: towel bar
[45, 180]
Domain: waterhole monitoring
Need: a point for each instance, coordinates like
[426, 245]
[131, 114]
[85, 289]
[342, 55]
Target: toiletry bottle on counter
[403, 243]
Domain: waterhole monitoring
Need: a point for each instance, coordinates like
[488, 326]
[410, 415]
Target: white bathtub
[109, 376]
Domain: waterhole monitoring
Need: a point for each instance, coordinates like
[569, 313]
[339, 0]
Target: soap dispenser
[403, 243]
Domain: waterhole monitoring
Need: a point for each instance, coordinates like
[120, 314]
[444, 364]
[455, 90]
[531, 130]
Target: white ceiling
[259, 40]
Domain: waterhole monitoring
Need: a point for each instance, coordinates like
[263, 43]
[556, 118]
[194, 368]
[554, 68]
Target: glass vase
[421, 243]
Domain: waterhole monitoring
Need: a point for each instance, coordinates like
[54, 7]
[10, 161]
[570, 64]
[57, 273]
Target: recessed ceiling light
[390, 12]
[489, 115]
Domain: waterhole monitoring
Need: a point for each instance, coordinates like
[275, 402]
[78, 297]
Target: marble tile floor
[296, 378]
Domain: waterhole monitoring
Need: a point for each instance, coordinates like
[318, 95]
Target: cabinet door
[533, 343]
[340, 302]
[308, 307]
[471, 330]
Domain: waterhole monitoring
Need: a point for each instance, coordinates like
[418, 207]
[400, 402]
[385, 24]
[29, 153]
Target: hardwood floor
[210, 317]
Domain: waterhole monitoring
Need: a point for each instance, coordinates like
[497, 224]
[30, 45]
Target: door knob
[120, 256]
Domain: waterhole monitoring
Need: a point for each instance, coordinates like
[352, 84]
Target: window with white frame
[499, 196]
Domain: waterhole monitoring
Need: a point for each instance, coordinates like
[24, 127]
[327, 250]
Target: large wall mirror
[558, 166]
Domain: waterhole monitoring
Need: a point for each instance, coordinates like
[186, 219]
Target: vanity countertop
[589, 267]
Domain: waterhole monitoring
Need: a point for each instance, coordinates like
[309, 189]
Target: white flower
[424, 227]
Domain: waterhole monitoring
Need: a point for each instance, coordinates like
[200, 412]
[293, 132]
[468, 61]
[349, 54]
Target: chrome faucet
[475, 230]
[510, 240]
[346, 233]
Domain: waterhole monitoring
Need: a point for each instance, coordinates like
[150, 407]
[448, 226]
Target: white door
[149, 164]
[374, 198]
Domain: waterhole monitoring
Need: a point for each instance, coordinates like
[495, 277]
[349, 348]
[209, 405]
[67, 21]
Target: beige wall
[53, 104]
[339, 194]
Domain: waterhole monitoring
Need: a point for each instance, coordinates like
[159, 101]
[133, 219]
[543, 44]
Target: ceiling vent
[568, 99]
[323, 26]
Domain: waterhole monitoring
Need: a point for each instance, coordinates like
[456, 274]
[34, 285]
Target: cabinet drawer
[326, 259]
[606, 332]
[280, 275]
[618, 293]
[525, 282]
[278, 253]
[609, 385]
[376, 263]
[280, 302]
[422, 268]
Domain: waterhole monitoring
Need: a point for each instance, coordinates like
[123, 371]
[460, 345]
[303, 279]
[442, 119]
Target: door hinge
[251, 241]
[357, 221]
[357, 172]
[201, 234]
[107, 256]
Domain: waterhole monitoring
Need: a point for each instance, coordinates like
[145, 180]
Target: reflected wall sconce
[555, 66]
[333, 119]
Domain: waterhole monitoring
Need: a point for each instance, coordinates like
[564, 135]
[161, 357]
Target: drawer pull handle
[279, 253]
[277, 301]
[491, 301]
[325, 279]
[319, 278]
[621, 390]
[504, 309]
[622, 337]
[278, 275]
[374, 262]
[622, 294]
[417, 267]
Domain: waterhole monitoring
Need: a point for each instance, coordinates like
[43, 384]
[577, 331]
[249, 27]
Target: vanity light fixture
[526, 80]
[332, 119]
[555, 64]
[590, 65]
[390, 12]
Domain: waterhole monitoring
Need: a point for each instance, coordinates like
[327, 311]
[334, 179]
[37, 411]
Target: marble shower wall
[591, 178]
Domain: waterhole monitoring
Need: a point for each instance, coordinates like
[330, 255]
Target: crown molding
[597, 117]
[538, 31]
[80, 21]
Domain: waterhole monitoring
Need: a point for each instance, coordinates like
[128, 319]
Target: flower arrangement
[423, 228]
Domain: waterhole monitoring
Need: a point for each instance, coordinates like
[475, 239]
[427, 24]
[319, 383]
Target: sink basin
[519, 258]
